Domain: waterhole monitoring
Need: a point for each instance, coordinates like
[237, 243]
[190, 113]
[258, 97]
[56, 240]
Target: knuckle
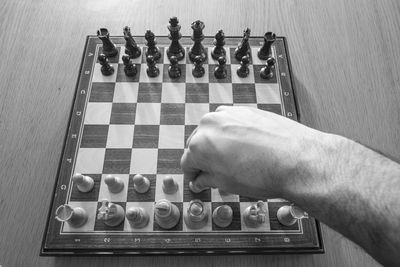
[208, 118]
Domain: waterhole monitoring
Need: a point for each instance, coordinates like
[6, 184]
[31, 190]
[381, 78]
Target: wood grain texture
[344, 56]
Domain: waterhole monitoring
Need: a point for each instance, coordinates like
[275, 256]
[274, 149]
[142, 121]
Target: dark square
[92, 195]
[117, 161]
[214, 106]
[188, 59]
[188, 131]
[146, 136]
[99, 224]
[233, 58]
[213, 79]
[273, 219]
[177, 227]
[275, 108]
[180, 79]
[121, 76]
[102, 92]
[236, 223]
[113, 59]
[94, 136]
[169, 161]
[123, 113]
[257, 77]
[172, 114]
[244, 93]
[160, 61]
[188, 195]
[197, 93]
[149, 92]
[149, 196]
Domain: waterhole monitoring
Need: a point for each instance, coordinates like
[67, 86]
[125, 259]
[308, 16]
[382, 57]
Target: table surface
[345, 59]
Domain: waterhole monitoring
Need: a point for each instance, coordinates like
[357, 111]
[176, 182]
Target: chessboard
[127, 125]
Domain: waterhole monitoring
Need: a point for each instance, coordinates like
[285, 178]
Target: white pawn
[137, 217]
[166, 214]
[170, 186]
[196, 215]
[115, 184]
[110, 213]
[256, 214]
[222, 216]
[83, 183]
[289, 215]
[140, 183]
[76, 217]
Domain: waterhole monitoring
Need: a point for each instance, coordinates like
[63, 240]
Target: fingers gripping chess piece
[196, 215]
[166, 214]
[140, 183]
[114, 184]
[289, 215]
[111, 214]
[76, 217]
[222, 216]
[137, 217]
[83, 183]
[256, 214]
[106, 68]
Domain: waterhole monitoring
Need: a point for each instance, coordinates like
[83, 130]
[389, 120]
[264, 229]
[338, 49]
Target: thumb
[203, 181]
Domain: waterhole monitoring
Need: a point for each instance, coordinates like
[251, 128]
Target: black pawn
[267, 71]
[106, 68]
[174, 71]
[243, 70]
[109, 48]
[152, 49]
[152, 69]
[197, 49]
[131, 47]
[265, 51]
[243, 48]
[198, 70]
[220, 70]
[219, 42]
[130, 68]
[175, 48]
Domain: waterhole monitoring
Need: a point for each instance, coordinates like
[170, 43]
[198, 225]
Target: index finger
[188, 166]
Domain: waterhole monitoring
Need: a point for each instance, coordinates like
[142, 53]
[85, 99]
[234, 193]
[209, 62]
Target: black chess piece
[198, 69]
[152, 69]
[152, 49]
[175, 48]
[265, 51]
[106, 68]
[243, 48]
[243, 71]
[174, 71]
[220, 70]
[130, 68]
[109, 48]
[267, 71]
[219, 42]
[197, 49]
[131, 48]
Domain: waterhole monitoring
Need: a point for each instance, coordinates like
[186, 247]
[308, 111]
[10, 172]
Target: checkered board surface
[123, 126]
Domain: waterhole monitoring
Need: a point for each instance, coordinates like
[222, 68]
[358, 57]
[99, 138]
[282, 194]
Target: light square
[221, 93]
[220, 196]
[205, 228]
[148, 113]
[99, 77]
[194, 112]
[172, 136]
[98, 113]
[90, 208]
[250, 105]
[268, 93]
[256, 60]
[144, 78]
[120, 136]
[173, 93]
[191, 79]
[265, 227]
[144, 161]
[177, 196]
[126, 92]
[149, 208]
[104, 193]
[237, 79]
[90, 160]
[137, 60]
[214, 61]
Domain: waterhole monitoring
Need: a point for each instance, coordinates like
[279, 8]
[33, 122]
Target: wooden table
[345, 58]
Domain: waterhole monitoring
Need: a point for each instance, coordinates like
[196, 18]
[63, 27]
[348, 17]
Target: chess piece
[152, 49]
[243, 70]
[109, 48]
[170, 186]
[222, 216]
[110, 213]
[114, 184]
[197, 49]
[220, 70]
[166, 214]
[83, 183]
[76, 217]
[219, 42]
[196, 215]
[137, 217]
[152, 69]
[175, 48]
[256, 214]
[140, 183]
[174, 71]
[130, 68]
[131, 48]
[106, 68]
[267, 71]
[196, 189]
[289, 215]
[198, 69]
[243, 48]
[265, 51]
